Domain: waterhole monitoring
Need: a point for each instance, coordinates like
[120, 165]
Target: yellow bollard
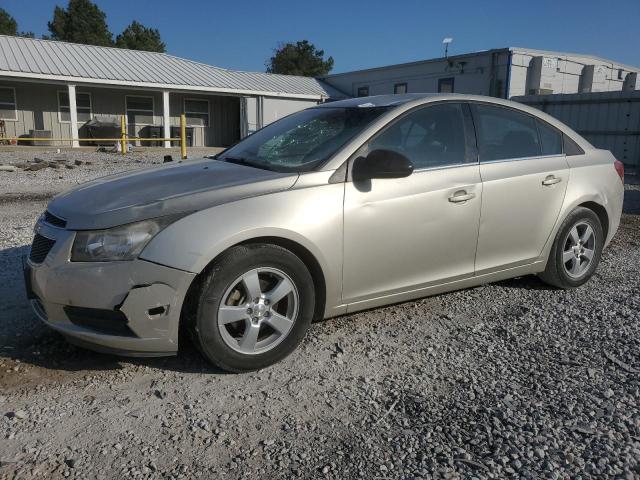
[123, 135]
[183, 136]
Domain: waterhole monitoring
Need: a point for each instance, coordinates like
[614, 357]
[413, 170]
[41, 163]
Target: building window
[139, 110]
[620, 72]
[400, 88]
[445, 85]
[83, 107]
[8, 110]
[363, 91]
[197, 112]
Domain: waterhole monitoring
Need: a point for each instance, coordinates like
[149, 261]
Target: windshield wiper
[245, 162]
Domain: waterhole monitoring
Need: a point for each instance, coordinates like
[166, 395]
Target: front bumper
[147, 297]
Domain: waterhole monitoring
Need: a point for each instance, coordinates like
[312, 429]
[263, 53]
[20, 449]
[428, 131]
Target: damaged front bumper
[128, 308]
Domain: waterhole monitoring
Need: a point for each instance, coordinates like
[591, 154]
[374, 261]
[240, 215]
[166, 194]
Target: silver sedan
[338, 208]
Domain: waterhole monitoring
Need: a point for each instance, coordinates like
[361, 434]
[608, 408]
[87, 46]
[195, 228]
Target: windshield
[303, 140]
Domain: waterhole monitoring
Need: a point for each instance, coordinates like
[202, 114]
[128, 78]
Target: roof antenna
[446, 41]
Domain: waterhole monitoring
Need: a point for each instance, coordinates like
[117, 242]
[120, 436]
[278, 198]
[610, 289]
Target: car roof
[397, 100]
[380, 100]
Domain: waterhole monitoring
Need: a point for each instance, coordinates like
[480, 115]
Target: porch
[62, 112]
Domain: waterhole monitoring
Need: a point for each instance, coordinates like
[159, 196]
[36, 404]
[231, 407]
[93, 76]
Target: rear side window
[432, 136]
[550, 139]
[503, 133]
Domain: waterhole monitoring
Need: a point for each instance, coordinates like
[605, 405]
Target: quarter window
[550, 139]
[400, 88]
[139, 110]
[570, 147]
[503, 133]
[197, 112]
[8, 104]
[430, 137]
[83, 107]
[363, 91]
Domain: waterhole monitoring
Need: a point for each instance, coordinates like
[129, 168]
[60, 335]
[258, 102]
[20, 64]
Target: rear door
[524, 177]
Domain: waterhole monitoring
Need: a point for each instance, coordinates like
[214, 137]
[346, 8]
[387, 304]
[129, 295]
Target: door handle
[461, 196]
[551, 180]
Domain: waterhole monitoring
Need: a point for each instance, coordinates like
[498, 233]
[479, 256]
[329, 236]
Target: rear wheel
[255, 307]
[576, 251]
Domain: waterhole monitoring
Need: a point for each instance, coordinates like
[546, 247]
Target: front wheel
[255, 306]
[576, 250]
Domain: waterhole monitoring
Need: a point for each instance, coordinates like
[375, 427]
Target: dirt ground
[513, 379]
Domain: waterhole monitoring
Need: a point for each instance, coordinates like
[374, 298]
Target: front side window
[196, 112]
[432, 136]
[83, 107]
[363, 91]
[503, 133]
[8, 104]
[550, 139]
[139, 110]
[302, 141]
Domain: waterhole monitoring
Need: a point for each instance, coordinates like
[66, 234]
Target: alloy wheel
[579, 249]
[258, 310]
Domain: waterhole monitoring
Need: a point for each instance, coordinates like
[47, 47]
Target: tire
[268, 329]
[565, 271]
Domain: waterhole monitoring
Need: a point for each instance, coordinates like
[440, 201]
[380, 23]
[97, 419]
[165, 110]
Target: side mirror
[381, 164]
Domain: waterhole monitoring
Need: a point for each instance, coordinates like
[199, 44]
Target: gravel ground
[69, 168]
[512, 379]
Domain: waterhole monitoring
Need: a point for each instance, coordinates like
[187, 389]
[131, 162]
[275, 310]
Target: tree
[81, 22]
[8, 24]
[138, 37]
[301, 58]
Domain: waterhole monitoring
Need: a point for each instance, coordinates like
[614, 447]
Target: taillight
[620, 169]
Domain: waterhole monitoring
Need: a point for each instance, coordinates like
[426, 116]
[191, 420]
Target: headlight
[119, 243]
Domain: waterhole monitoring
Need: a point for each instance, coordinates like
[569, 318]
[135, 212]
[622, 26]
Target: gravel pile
[512, 379]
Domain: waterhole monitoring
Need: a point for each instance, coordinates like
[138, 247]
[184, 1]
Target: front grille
[51, 219]
[40, 248]
[109, 322]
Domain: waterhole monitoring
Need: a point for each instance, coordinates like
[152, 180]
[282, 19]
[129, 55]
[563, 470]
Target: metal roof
[71, 62]
[482, 52]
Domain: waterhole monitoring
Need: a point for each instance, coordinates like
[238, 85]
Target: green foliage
[301, 58]
[138, 37]
[81, 22]
[8, 24]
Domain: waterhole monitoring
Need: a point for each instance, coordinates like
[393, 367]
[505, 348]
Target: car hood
[165, 190]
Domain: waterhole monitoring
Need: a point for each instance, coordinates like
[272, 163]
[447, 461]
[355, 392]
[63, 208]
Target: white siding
[276, 108]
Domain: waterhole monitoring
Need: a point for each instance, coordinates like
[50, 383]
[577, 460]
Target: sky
[242, 34]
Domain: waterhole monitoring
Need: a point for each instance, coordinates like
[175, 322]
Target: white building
[503, 72]
[51, 89]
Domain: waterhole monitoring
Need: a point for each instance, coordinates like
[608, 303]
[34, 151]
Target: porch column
[166, 118]
[259, 112]
[73, 113]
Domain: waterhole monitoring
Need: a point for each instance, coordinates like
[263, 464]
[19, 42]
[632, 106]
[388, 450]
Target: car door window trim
[517, 159]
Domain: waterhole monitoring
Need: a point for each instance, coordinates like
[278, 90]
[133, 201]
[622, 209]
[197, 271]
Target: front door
[404, 234]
